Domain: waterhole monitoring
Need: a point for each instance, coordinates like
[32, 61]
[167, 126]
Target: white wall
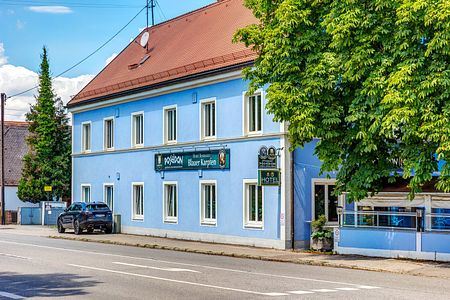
[12, 202]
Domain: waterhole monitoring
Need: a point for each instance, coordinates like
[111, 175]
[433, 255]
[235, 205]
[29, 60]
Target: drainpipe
[292, 203]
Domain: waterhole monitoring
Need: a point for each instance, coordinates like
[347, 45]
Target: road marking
[156, 268]
[171, 280]
[10, 296]
[300, 292]
[324, 291]
[367, 287]
[276, 294]
[347, 289]
[191, 265]
[14, 256]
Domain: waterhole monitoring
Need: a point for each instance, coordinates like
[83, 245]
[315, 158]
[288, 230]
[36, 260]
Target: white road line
[300, 292]
[276, 294]
[14, 256]
[347, 289]
[324, 291]
[10, 296]
[156, 268]
[186, 264]
[367, 287]
[171, 280]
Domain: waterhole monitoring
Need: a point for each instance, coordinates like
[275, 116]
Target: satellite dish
[144, 39]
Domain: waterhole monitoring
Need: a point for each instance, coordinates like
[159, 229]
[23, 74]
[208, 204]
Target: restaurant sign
[212, 159]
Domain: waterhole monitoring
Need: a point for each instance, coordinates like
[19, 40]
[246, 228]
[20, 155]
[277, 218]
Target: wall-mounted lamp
[117, 175]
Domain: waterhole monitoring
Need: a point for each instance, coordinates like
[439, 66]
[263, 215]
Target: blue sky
[71, 30]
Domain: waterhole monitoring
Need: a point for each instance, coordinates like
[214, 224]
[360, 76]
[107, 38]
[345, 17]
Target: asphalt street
[42, 268]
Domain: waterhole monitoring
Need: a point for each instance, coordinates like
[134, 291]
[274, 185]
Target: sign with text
[269, 177]
[267, 158]
[213, 159]
[48, 188]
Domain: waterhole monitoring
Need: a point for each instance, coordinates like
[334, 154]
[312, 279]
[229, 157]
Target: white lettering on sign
[173, 159]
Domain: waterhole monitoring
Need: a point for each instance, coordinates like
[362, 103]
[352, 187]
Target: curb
[246, 256]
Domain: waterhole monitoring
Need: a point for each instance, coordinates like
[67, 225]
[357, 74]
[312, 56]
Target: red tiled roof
[193, 43]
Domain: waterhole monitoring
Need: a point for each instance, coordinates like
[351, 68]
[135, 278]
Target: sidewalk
[420, 268]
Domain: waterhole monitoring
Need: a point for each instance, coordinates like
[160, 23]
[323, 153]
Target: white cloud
[3, 58]
[15, 79]
[51, 9]
[110, 59]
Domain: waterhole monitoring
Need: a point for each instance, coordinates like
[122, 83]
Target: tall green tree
[48, 161]
[369, 78]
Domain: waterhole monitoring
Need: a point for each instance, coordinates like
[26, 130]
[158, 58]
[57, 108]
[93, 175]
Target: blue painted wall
[138, 165]
[436, 242]
[378, 239]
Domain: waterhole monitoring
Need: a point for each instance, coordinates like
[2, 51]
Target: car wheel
[108, 230]
[76, 227]
[61, 228]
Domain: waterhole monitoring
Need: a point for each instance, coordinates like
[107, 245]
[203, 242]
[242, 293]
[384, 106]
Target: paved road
[41, 268]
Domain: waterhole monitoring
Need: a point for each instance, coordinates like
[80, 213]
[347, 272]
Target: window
[208, 118]
[325, 202]
[138, 201]
[109, 195]
[208, 198]
[108, 134]
[253, 109]
[137, 129]
[85, 193]
[254, 204]
[170, 124]
[86, 137]
[170, 202]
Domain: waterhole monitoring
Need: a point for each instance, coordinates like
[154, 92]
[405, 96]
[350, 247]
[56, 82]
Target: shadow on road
[45, 285]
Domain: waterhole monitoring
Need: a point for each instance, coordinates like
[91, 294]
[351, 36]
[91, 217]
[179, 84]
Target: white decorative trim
[138, 218]
[159, 91]
[249, 224]
[245, 118]
[111, 184]
[206, 237]
[113, 134]
[201, 121]
[133, 143]
[82, 186]
[83, 150]
[169, 219]
[206, 222]
[164, 110]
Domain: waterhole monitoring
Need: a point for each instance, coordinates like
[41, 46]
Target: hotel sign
[213, 159]
[269, 177]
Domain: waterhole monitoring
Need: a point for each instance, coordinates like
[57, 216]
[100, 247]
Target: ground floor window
[324, 201]
[208, 192]
[253, 204]
[170, 202]
[108, 195]
[85, 193]
[138, 201]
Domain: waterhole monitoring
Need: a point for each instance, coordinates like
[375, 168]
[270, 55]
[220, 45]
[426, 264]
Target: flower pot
[322, 244]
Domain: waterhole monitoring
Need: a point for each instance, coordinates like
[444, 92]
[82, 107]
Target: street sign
[47, 188]
[269, 177]
[267, 158]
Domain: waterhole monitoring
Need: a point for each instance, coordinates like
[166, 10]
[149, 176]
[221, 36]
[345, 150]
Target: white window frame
[207, 221]
[245, 113]
[105, 136]
[166, 218]
[133, 129]
[202, 123]
[134, 216]
[84, 149]
[246, 220]
[105, 185]
[326, 182]
[83, 186]
[165, 124]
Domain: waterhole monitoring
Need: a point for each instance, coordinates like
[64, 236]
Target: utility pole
[153, 14]
[2, 107]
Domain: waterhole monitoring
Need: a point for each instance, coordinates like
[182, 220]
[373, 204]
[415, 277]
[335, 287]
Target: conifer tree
[48, 161]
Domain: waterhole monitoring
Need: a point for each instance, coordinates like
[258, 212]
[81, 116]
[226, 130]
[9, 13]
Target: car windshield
[97, 206]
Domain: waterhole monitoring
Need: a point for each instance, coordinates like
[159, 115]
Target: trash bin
[117, 223]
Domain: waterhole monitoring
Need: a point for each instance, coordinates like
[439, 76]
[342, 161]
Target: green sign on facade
[213, 159]
[269, 177]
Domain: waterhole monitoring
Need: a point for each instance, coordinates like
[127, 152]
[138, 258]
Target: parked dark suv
[86, 216]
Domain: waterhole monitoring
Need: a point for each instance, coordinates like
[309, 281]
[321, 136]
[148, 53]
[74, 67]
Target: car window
[77, 207]
[71, 207]
[97, 206]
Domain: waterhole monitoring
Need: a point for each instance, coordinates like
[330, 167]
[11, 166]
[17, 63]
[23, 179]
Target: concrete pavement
[420, 268]
[32, 266]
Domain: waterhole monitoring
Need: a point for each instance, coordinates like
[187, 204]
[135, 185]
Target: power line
[71, 4]
[160, 10]
[86, 58]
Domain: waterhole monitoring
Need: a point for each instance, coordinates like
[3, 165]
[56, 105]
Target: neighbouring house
[15, 148]
[168, 137]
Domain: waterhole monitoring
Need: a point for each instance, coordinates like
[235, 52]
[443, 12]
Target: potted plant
[321, 238]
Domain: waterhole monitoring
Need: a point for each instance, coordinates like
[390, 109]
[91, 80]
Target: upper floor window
[170, 124]
[108, 134]
[325, 202]
[253, 113]
[86, 137]
[208, 118]
[137, 129]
